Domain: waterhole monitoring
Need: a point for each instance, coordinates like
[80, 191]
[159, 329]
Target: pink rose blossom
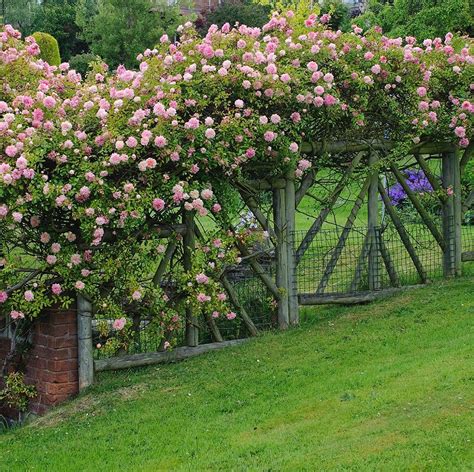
[56, 289]
[136, 295]
[202, 278]
[79, 285]
[119, 324]
[15, 315]
[158, 204]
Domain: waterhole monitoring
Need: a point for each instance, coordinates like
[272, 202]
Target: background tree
[420, 18]
[58, 18]
[242, 11]
[18, 13]
[340, 17]
[121, 29]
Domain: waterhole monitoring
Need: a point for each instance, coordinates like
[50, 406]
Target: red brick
[40, 352]
[52, 362]
[60, 342]
[59, 377]
[59, 354]
[62, 365]
[61, 389]
[40, 339]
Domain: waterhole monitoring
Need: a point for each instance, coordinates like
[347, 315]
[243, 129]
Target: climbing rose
[56, 289]
[158, 204]
[119, 324]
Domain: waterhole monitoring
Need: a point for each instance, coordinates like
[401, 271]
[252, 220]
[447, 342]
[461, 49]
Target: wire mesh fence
[337, 262]
[467, 232]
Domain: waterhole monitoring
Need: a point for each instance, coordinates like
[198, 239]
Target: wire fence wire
[467, 232]
[338, 264]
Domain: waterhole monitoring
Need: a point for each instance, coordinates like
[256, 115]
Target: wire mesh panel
[467, 232]
[252, 293]
[338, 264]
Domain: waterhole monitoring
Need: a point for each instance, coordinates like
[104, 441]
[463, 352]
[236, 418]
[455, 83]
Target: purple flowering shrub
[416, 180]
[420, 185]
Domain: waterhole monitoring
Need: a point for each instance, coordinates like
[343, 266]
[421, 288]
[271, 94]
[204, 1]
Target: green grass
[386, 386]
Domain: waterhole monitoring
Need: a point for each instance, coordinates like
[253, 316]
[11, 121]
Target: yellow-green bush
[49, 48]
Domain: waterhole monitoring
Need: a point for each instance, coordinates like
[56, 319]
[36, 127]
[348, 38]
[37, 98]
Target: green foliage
[18, 13]
[121, 29]
[82, 63]
[236, 11]
[339, 12]
[422, 18]
[16, 394]
[57, 17]
[49, 48]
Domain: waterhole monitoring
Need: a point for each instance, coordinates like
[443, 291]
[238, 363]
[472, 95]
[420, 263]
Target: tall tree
[121, 29]
[18, 13]
[243, 12]
[58, 18]
[420, 18]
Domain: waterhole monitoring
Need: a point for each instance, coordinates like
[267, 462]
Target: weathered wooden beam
[452, 217]
[343, 238]
[387, 260]
[252, 204]
[290, 201]
[402, 233]
[354, 299]
[170, 230]
[281, 256]
[84, 342]
[164, 357]
[419, 207]
[241, 311]
[213, 328]
[258, 269]
[192, 327]
[467, 256]
[466, 157]
[265, 184]
[305, 185]
[331, 201]
[361, 262]
[373, 222]
[342, 147]
[468, 202]
[160, 271]
[432, 179]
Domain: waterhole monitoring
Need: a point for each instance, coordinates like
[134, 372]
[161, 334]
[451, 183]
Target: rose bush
[89, 168]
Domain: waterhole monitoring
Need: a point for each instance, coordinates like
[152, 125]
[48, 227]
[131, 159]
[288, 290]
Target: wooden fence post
[373, 222]
[290, 201]
[84, 342]
[452, 214]
[192, 330]
[281, 255]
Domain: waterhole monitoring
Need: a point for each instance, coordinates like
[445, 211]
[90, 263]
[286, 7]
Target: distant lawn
[387, 386]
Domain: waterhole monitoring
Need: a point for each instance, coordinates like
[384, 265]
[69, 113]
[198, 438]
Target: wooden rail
[151, 358]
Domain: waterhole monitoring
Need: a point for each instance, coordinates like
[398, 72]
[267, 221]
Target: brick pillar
[52, 362]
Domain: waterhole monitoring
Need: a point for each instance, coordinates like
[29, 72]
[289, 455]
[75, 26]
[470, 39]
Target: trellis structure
[367, 159]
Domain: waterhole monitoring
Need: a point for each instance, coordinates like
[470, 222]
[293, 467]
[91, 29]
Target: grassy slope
[387, 386]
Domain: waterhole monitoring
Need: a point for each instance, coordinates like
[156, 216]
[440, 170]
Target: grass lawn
[386, 386]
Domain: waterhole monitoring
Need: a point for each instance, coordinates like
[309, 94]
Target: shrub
[49, 48]
[16, 394]
[82, 62]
